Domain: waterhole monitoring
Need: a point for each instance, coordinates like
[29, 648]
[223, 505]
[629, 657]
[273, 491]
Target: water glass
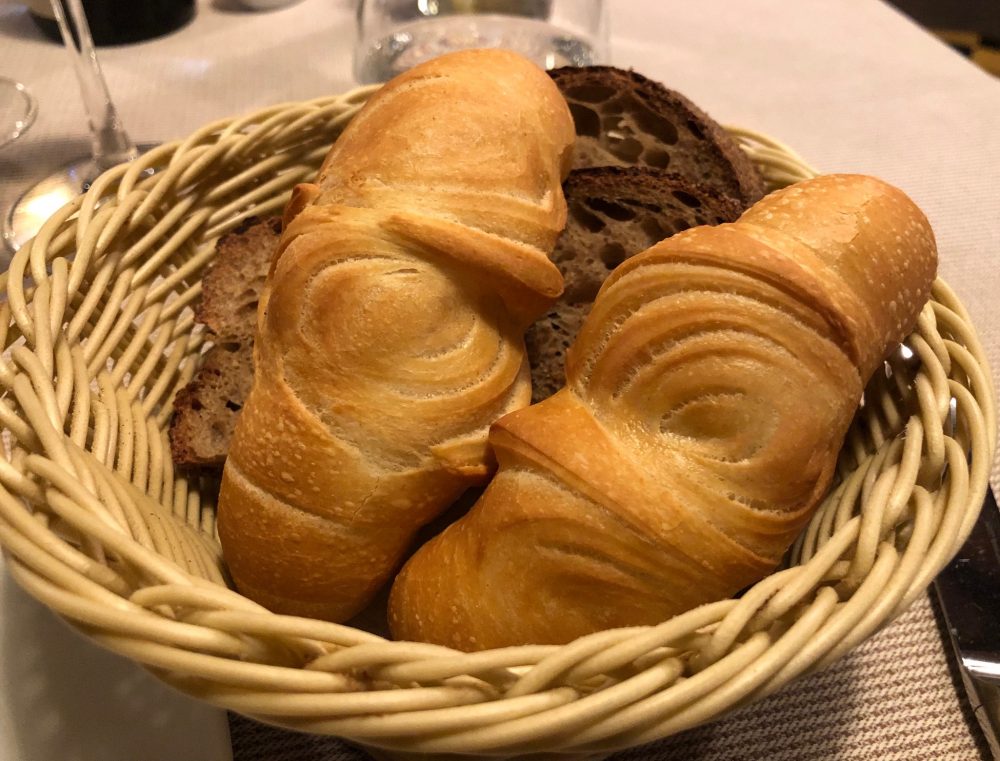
[395, 35]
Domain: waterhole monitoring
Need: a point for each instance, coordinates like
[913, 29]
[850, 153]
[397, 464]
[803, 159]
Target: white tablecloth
[852, 85]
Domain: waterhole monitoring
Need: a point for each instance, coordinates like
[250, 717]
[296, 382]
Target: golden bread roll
[390, 331]
[707, 396]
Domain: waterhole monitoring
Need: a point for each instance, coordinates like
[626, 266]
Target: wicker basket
[98, 334]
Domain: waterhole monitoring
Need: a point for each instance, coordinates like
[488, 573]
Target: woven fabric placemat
[897, 697]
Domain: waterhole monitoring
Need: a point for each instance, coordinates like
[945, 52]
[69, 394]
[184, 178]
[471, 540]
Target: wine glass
[110, 144]
[18, 109]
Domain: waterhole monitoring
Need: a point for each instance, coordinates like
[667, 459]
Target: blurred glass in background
[395, 35]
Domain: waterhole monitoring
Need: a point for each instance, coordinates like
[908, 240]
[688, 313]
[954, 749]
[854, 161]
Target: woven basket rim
[91, 515]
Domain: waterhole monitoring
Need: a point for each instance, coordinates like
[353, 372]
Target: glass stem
[110, 144]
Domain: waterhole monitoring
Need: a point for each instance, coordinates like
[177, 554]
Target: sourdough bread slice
[206, 410]
[624, 119]
[614, 213]
[232, 285]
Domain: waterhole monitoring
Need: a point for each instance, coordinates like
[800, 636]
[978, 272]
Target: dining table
[852, 86]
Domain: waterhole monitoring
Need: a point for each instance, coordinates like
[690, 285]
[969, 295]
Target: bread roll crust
[706, 401]
[390, 330]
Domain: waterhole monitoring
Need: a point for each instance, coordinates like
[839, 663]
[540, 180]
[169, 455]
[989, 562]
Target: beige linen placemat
[894, 698]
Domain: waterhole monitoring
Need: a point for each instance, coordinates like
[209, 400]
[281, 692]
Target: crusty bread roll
[707, 397]
[390, 332]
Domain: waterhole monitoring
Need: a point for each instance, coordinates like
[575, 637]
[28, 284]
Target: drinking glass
[395, 35]
[18, 109]
[110, 144]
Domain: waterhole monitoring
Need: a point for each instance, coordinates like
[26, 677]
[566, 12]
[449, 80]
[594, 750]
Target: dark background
[970, 26]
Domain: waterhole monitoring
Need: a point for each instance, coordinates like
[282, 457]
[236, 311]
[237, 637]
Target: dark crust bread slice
[614, 213]
[206, 410]
[624, 119]
[233, 282]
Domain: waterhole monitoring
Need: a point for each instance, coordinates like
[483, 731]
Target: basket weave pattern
[98, 335]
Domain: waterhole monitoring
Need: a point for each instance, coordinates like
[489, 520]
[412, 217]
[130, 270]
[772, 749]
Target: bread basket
[98, 335]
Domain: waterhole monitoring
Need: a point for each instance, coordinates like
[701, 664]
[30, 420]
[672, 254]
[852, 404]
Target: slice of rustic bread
[624, 119]
[206, 410]
[233, 283]
[614, 213]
